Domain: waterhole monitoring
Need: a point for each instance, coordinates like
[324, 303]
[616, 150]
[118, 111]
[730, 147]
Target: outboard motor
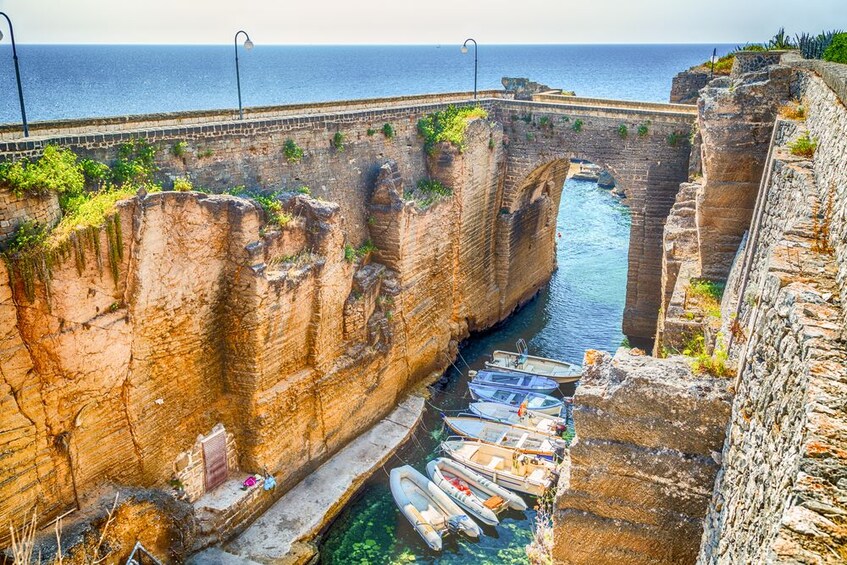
[462, 523]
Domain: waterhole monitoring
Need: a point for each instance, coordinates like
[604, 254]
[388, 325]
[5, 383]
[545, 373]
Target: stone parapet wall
[14, 210]
[110, 124]
[751, 61]
[643, 463]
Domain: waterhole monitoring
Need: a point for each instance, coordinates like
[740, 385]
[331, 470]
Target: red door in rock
[214, 457]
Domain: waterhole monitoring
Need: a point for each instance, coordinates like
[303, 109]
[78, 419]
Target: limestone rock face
[642, 467]
[186, 310]
[736, 121]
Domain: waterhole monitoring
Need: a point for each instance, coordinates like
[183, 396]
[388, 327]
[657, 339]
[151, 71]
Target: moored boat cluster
[507, 443]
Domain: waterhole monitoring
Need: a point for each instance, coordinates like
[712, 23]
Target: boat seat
[538, 476]
[434, 517]
[493, 503]
[495, 461]
[521, 441]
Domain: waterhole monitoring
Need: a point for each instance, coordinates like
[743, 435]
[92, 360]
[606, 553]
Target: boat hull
[523, 382]
[549, 405]
[558, 371]
[527, 484]
[505, 435]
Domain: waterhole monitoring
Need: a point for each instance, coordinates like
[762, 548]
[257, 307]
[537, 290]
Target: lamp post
[714, 60]
[465, 50]
[247, 45]
[17, 72]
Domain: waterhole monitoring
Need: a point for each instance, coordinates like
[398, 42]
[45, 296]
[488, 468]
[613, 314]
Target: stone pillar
[643, 465]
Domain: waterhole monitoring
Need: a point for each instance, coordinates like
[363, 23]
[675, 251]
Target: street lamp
[247, 45]
[465, 50]
[17, 72]
[714, 60]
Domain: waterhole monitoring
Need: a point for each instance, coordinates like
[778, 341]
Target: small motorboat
[536, 421]
[476, 494]
[430, 511]
[523, 362]
[534, 401]
[514, 381]
[505, 435]
[502, 466]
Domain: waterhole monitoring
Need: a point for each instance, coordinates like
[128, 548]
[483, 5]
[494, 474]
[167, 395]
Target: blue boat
[534, 401]
[514, 381]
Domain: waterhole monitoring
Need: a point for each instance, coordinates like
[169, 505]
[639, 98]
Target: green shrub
[293, 153]
[387, 131]
[135, 163]
[304, 190]
[182, 184]
[723, 65]
[837, 50]
[338, 141]
[708, 295]
[643, 130]
[674, 138]
[205, 153]
[179, 149]
[544, 121]
[270, 204]
[814, 46]
[577, 125]
[370, 132]
[28, 235]
[57, 170]
[804, 146]
[448, 125]
[349, 253]
[431, 186]
[96, 174]
[90, 211]
[623, 131]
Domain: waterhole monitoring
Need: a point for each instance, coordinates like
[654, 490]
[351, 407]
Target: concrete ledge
[281, 534]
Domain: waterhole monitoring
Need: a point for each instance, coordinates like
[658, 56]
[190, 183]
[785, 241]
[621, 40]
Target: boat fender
[471, 374]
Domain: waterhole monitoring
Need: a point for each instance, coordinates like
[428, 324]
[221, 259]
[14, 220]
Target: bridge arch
[648, 165]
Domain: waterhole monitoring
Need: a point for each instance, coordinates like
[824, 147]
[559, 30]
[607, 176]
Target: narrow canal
[580, 308]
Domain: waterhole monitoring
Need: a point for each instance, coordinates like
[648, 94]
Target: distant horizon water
[63, 81]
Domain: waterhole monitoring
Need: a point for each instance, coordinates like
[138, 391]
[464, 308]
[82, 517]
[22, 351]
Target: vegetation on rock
[804, 146]
[57, 170]
[388, 131]
[448, 125]
[293, 152]
[337, 141]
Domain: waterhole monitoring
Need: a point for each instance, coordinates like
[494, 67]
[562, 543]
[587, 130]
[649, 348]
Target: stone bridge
[645, 145]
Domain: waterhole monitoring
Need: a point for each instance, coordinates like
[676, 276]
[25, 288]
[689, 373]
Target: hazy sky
[417, 21]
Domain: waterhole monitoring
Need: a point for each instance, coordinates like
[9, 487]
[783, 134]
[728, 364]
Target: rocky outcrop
[679, 264]
[736, 117]
[523, 88]
[685, 87]
[642, 467]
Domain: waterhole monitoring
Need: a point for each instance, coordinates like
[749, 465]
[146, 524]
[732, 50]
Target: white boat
[476, 494]
[514, 381]
[505, 467]
[536, 421]
[430, 511]
[534, 401]
[505, 435]
[522, 362]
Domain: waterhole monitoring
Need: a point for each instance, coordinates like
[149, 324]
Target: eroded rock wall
[186, 310]
[644, 462]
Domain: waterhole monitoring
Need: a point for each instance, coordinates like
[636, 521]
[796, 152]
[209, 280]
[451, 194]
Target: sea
[581, 307]
[80, 81]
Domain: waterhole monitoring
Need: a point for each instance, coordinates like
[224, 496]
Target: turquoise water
[580, 308]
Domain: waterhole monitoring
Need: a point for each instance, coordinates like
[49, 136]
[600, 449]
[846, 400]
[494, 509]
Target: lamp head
[464, 48]
[248, 44]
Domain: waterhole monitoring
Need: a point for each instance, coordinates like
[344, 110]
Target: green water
[580, 308]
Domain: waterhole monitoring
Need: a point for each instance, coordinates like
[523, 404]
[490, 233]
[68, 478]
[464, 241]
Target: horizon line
[371, 44]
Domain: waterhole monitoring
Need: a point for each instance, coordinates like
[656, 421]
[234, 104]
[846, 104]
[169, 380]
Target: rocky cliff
[187, 310]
